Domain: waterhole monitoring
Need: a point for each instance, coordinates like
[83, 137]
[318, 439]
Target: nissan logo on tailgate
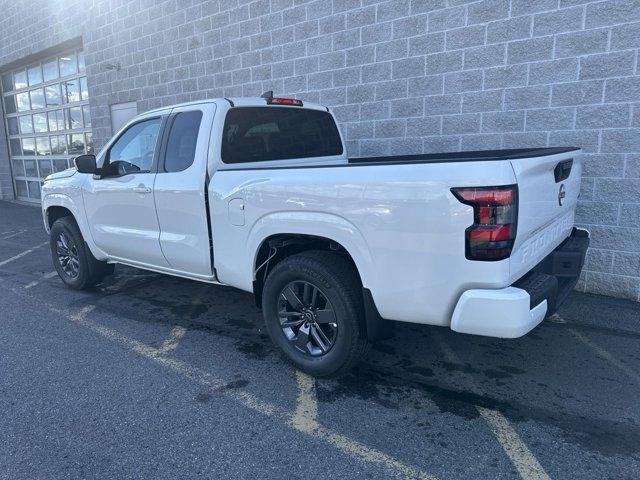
[561, 194]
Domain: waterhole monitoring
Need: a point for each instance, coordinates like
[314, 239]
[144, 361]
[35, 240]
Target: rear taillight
[495, 217]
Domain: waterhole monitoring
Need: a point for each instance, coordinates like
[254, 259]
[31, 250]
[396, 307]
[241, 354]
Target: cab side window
[183, 137]
[133, 151]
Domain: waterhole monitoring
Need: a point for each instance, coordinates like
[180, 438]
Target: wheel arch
[54, 212]
[57, 205]
[275, 248]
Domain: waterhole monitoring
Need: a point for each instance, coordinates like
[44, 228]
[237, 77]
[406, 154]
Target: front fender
[75, 206]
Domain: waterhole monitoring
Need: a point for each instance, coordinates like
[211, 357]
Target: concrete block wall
[405, 76]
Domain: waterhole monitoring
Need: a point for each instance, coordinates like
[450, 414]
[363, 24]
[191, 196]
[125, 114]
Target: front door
[119, 204]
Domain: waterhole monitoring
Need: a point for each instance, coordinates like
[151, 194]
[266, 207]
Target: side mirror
[86, 164]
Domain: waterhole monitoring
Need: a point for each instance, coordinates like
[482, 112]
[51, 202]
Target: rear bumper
[513, 311]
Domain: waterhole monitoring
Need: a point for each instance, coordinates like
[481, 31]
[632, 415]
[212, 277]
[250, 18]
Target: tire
[337, 282]
[81, 271]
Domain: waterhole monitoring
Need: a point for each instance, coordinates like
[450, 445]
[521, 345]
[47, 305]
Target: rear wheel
[312, 307]
[72, 259]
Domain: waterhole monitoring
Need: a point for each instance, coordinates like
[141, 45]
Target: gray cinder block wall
[402, 76]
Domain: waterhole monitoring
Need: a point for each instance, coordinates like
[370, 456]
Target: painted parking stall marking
[606, 355]
[44, 277]
[220, 386]
[171, 343]
[22, 254]
[303, 416]
[522, 458]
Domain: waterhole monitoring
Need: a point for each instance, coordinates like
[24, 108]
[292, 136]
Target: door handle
[141, 189]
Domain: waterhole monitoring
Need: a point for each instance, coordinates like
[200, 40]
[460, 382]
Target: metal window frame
[82, 103]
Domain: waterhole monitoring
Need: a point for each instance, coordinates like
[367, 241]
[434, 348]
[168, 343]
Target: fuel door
[236, 211]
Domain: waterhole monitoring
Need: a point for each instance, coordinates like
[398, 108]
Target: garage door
[47, 119]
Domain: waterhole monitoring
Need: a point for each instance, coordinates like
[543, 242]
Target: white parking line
[22, 254]
[118, 284]
[13, 234]
[250, 401]
[171, 343]
[600, 351]
[605, 355]
[44, 277]
[305, 417]
[178, 332]
[521, 457]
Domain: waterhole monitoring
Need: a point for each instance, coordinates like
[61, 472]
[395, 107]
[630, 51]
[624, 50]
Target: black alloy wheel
[307, 318]
[67, 252]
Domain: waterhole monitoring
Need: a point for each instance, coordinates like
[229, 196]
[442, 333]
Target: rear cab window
[182, 141]
[261, 134]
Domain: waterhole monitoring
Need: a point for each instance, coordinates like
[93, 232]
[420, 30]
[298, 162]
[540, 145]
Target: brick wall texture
[402, 76]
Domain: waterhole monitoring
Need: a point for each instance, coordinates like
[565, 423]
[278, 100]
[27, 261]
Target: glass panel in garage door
[47, 118]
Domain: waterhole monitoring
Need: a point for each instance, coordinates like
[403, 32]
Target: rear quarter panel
[400, 223]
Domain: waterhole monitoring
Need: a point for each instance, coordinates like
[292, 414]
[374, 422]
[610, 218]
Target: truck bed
[471, 156]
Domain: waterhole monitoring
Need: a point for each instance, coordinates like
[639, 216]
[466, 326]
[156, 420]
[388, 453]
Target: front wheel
[312, 306]
[72, 259]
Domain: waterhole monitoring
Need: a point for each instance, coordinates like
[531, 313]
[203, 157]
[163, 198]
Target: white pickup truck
[258, 194]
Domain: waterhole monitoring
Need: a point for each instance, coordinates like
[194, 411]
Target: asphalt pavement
[150, 376]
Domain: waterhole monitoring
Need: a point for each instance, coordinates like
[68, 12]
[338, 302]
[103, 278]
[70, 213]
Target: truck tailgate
[548, 189]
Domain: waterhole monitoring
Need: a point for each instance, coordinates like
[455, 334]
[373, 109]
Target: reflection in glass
[26, 126]
[68, 65]
[59, 164]
[58, 145]
[89, 142]
[34, 189]
[20, 79]
[39, 122]
[21, 188]
[28, 146]
[84, 91]
[14, 146]
[55, 148]
[22, 99]
[37, 125]
[50, 70]
[18, 167]
[74, 117]
[35, 75]
[70, 92]
[52, 95]
[9, 104]
[42, 146]
[56, 121]
[76, 143]
[7, 82]
[37, 99]
[44, 166]
[12, 123]
[86, 113]
[30, 168]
